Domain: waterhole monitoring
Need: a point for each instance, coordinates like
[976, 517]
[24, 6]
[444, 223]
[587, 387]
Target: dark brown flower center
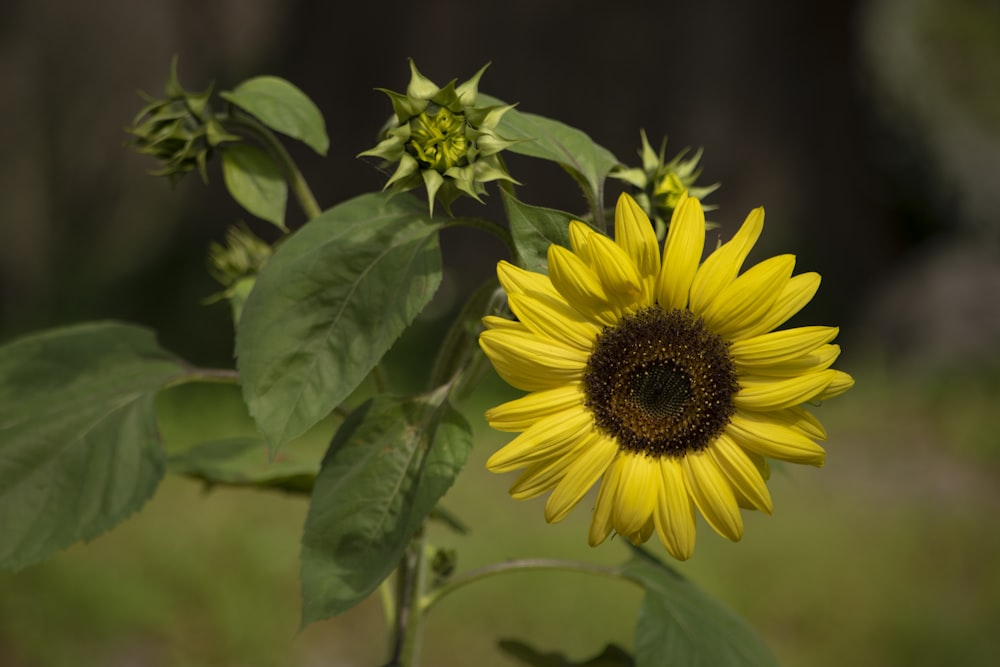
[660, 383]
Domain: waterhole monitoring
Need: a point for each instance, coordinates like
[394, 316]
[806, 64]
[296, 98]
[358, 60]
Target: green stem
[408, 635]
[307, 201]
[434, 596]
[388, 600]
[194, 374]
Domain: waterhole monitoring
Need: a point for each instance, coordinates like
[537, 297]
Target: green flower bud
[236, 265]
[180, 131]
[658, 184]
[438, 138]
[243, 255]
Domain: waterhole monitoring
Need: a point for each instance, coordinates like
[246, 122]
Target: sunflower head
[179, 130]
[659, 184]
[658, 376]
[440, 139]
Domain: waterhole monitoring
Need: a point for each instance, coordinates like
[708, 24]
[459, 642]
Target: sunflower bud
[236, 265]
[437, 137]
[658, 184]
[180, 130]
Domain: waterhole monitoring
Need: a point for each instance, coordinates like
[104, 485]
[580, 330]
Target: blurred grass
[885, 557]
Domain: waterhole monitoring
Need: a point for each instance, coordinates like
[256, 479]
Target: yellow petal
[538, 478]
[778, 346]
[589, 463]
[741, 304]
[635, 235]
[543, 476]
[642, 535]
[546, 438]
[580, 286]
[768, 393]
[713, 495]
[841, 382]
[812, 362]
[531, 363]
[613, 267]
[637, 493]
[794, 296]
[801, 420]
[519, 414]
[601, 519]
[741, 472]
[554, 320]
[722, 266]
[494, 322]
[675, 520]
[761, 434]
[516, 280]
[682, 251]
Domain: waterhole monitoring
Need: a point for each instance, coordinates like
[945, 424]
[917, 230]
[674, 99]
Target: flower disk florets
[440, 139]
[660, 383]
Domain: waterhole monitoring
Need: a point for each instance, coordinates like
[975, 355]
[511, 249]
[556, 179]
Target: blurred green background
[870, 131]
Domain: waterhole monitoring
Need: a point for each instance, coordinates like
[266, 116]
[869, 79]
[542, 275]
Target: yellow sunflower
[662, 378]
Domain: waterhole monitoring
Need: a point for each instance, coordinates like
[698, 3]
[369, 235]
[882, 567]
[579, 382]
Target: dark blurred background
[870, 131]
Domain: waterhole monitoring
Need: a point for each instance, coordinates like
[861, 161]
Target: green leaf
[679, 624]
[255, 182]
[611, 656]
[329, 303]
[387, 467]
[547, 139]
[534, 229]
[79, 448]
[282, 107]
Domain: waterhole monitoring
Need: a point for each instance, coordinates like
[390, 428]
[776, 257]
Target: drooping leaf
[611, 656]
[209, 435]
[679, 624]
[329, 303]
[255, 182]
[283, 107]
[245, 462]
[387, 467]
[79, 447]
[537, 136]
[534, 229]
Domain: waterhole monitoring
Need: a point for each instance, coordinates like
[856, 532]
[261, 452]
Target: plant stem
[307, 201]
[431, 598]
[195, 374]
[408, 626]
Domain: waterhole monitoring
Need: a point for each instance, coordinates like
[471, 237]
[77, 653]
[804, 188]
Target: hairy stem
[434, 596]
[297, 182]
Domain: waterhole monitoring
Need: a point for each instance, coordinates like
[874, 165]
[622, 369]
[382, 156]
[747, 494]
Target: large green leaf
[679, 624]
[328, 304]
[387, 467]
[588, 162]
[79, 448]
[534, 229]
[282, 107]
[255, 182]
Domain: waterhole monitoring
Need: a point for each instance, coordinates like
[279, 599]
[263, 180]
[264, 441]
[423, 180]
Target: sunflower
[662, 378]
